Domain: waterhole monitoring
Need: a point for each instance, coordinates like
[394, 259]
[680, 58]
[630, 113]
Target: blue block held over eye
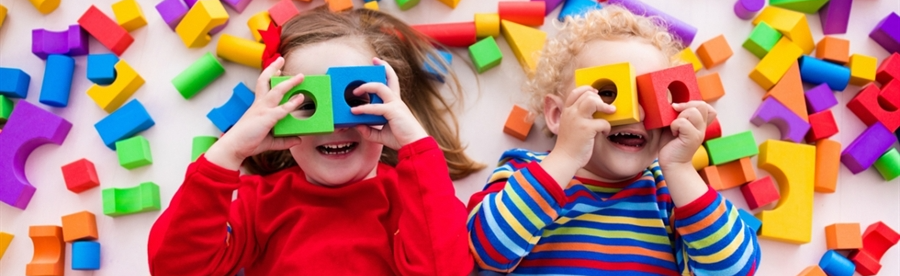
[57, 80]
[101, 68]
[343, 81]
[577, 8]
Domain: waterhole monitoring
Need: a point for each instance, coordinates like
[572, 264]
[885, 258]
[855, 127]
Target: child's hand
[402, 127]
[578, 128]
[687, 132]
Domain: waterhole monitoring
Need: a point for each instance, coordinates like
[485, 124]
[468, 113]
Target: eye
[305, 110]
[307, 105]
[358, 100]
[608, 93]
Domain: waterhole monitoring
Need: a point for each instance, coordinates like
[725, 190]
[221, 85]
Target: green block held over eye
[762, 39]
[888, 165]
[318, 88]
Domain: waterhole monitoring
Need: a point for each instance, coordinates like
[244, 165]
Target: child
[598, 203]
[325, 205]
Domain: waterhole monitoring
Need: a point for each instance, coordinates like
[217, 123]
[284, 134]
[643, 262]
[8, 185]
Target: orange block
[339, 5]
[735, 173]
[843, 236]
[49, 251]
[789, 92]
[833, 49]
[711, 88]
[519, 122]
[79, 226]
[812, 271]
[711, 176]
[714, 52]
[828, 164]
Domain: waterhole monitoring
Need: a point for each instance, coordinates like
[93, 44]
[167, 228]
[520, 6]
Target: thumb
[370, 134]
[284, 143]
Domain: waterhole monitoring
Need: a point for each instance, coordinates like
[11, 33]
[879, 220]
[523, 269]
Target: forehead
[642, 55]
[316, 58]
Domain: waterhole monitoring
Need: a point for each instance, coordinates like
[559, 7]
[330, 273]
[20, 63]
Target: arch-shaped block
[112, 96]
[622, 76]
[257, 22]
[49, 251]
[792, 167]
[225, 116]
[792, 127]
[318, 87]
[200, 20]
[654, 88]
[72, 42]
[872, 105]
[126, 201]
[343, 80]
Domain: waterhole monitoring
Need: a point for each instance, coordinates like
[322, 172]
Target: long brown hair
[407, 51]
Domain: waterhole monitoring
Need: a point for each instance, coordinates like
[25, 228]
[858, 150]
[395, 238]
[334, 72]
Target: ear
[553, 106]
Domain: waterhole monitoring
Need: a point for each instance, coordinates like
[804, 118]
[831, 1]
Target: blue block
[128, 120]
[225, 116]
[57, 80]
[434, 73]
[14, 82]
[750, 220]
[85, 255]
[817, 72]
[101, 68]
[835, 264]
[577, 8]
[343, 81]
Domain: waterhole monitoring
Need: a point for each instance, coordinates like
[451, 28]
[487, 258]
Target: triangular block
[526, 43]
[789, 92]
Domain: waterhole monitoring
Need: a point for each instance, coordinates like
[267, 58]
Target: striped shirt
[523, 223]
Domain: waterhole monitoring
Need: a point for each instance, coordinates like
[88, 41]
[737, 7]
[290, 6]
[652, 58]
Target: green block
[888, 165]
[126, 201]
[134, 152]
[318, 87]
[804, 6]
[485, 54]
[6, 108]
[762, 39]
[407, 4]
[200, 145]
[733, 147]
[197, 76]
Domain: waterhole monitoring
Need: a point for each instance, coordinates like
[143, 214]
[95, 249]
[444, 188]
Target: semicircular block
[49, 251]
[792, 165]
[28, 127]
[317, 87]
[792, 127]
[72, 42]
[225, 116]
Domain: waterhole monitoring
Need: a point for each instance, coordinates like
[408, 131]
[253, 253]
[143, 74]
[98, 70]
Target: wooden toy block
[835, 264]
[126, 201]
[888, 165]
[225, 116]
[760, 192]
[237, 5]
[71, 42]
[814, 270]
[714, 51]
[792, 167]
[819, 71]
[775, 64]
[700, 159]
[843, 236]
[867, 147]
[751, 221]
[194, 29]
[242, 51]
[343, 81]
[711, 177]
[80, 176]
[80, 226]
[747, 9]
[45, 6]
[834, 16]
[793, 25]
[688, 56]
[862, 69]
[5, 240]
[407, 4]
[828, 164]
[527, 43]
[485, 54]
[577, 8]
[86, 255]
[172, 11]
[101, 68]
[886, 34]
[129, 14]
[820, 98]
[14, 82]
[518, 123]
[6, 108]
[283, 11]
[105, 30]
[679, 29]
[460, 34]
[372, 6]
[200, 144]
[450, 3]
[261, 21]
[49, 251]
[736, 173]
[621, 76]
[804, 6]
[134, 152]
[654, 89]
[789, 92]
[713, 130]
[125, 122]
[200, 74]
[733, 147]
[339, 5]
[833, 49]
[822, 125]
[487, 24]
[762, 39]
[711, 88]
[872, 105]
[28, 127]
[877, 239]
[57, 81]
[319, 89]
[111, 97]
[889, 69]
[3, 11]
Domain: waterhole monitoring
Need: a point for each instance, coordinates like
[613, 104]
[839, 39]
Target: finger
[282, 88]
[262, 83]
[293, 103]
[371, 109]
[601, 126]
[371, 134]
[704, 108]
[386, 94]
[682, 127]
[392, 80]
[694, 116]
[589, 103]
[284, 143]
[577, 93]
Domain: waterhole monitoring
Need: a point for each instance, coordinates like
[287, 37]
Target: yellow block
[526, 42]
[623, 77]
[45, 6]
[450, 3]
[862, 69]
[259, 21]
[793, 167]
[371, 5]
[5, 239]
[111, 97]
[791, 24]
[487, 24]
[2, 15]
[688, 56]
[772, 67]
[129, 15]
[239, 50]
[700, 159]
[204, 16]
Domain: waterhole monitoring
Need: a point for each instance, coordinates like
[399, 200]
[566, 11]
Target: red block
[283, 11]
[80, 176]
[865, 264]
[889, 69]
[529, 13]
[760, 192]
[105, 30]
[653, 90]
[873, 105]
[450, 34]
[877, 239]
[713, 130]
[821, 126]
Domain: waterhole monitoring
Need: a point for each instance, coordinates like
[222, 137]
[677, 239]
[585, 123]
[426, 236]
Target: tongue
[631, 141]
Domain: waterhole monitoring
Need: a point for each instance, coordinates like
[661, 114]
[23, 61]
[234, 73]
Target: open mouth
[627, 139]
[338, 148]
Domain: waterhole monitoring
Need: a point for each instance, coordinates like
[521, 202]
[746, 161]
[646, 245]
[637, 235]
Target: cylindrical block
[835, 264]
[197, 76]
[239, 50]
[817, 71]
[450, 34]
[200, 144]
[681, 30]
[57, 81]
[525, 13]
[259, 21]
[746, 9]
[487, 24]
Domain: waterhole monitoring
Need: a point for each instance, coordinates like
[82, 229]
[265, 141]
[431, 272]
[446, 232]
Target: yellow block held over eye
[793, 167]
[620, 75]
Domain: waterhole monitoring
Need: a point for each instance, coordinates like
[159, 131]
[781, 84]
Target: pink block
[834, 16]
[283, 11]
[746, 9]
[793, 128]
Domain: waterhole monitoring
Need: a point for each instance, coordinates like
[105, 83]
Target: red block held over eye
[653, 90]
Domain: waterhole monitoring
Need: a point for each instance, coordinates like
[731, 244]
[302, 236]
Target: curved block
[526, 13]
[343, 81]
[101, 68]
[49, 251]
[257, 22]
[242, 51]
[126, 201]
[85, 255]
[681, 30]
[71, 42]
[487, 24]
[228, 114]
[45, 6]
[817, 71]
[867, 147]
[746, 9]
[577, 8]
[237, 5]
[834, 16]
[105, 30]
[792, 167]
[57, 83]
[197, 76]
[792, 127]
[654, 88]
[200, 20]
[129, 14]
[28, 128]
[873, 105]
[112, 96]
[123, 123]
[317, 87]
[620, 75]
[14, 82]
[200, 144]
[172, 11]
[835, 264]
[877, 239]
[461, 34]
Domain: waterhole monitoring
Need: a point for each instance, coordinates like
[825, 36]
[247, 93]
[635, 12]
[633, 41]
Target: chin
[337, 159]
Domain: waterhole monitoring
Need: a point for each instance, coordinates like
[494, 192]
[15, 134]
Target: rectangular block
[867, 147]
[711, 176]
[733, 147]
[129, 120]
[772, 67]
[105, 30]
[843, 236]
[79, 226]
[736, 173]
[828, 164]
[833, 49]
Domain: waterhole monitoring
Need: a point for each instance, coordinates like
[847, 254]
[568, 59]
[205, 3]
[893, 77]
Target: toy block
[134, 152]
[191, 3]
[123, 123]
[775, 64]
[101, 68]
[843, 236]
[485, 54]
[225, 116]
[654, 89]
[791, 166]
[441, 65]
[889, 69]
[237, 5]
[257, 22]
[793, 25]
[487, 24]
[28, 127]
[789, 92]
[865, 264]
[194, 29]
[835, 264]
[45, 6]
[80, 176]
[804, 6]
[828, 164]
[735, 173]
[49, 251]
[877, 239]
[620, 76]
[129, 14]
[14, 82]
[450, 34]
[200, 74]
[6, 108]
[747, 9]
[318, 88]
[822, 125]
[700, 159]
[711, 88]
[86, 255]
[888, 165]
[71, 42]
[172, 11]
[518, 123]
[761, 40]
[343, 81]
[887, 33]
[733, 147]
[126, 201]
[760, 192]
[688, 56]
[81, 226]
[867, 148]
[339, 5]
[714, 51]
[872, 105]
[372, 6]
[407, 4]
[550, 5]
[817, 71]
[111, 97]
[820, 98]
[5, 240]
[711, 177]
[713, 130]
[835, 16]
[57, 81]
[833, 49]
[242, 51]
[283, 11]
[3, 12]
[814, 270]
[751, 221]
[105, 30]
[679, 29]
[200, 144]
[450, 3]
[577, 8]
[526, 43]
[862, 69]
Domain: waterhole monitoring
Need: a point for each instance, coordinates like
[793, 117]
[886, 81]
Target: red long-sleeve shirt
[404, 221]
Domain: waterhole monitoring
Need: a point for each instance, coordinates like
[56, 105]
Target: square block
[86, 255]
[101, 68]
[833, 49]
[519, 123]
[343, 81]
[485, 54]
[822, 125]
[862, 69]
[888, 165]
[735, 173]
[688, 56]
[819, 98]
[714, 51]
[760, 192]
[762, 40]
[81, 226]
[654, 89]
[843, 236]
[80, 175]
[887, 71]
[711, 88]
[317, 87]
[621, 76]
[134, 152]
[129, 14]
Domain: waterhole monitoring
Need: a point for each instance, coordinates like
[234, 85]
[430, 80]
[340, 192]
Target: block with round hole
[318, 88]
[343, 81]
[621, 77]
[654, 89]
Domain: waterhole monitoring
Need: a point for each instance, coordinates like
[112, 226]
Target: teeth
[628, 133]
[338, 146]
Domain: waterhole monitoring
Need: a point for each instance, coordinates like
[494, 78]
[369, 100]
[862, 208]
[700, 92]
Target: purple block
[820, 99]
[172, 11]
[866, 148]
[240, 5]
[551, 5]
[681, 30]
[834, 16]
[792, 127]
[887, 33]
[746, 9]
[71, 42]
[28, 127]
[219, 28]
[190, 3]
